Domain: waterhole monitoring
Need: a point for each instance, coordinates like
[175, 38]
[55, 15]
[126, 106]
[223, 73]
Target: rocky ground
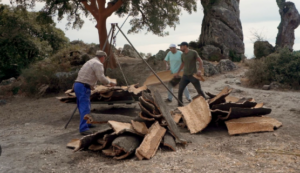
[33, 138]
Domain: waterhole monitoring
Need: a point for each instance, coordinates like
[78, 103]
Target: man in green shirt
[189, 60]
[174, 58]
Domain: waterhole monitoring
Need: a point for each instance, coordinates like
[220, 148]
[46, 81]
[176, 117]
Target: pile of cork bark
[156, 125]
[122, 136]
[107, 93]
[241, 115]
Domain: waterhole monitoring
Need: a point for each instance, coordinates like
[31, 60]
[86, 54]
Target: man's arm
[167, 59]
[181, 67]
[200, 66]
[167, 65]
[99, 71]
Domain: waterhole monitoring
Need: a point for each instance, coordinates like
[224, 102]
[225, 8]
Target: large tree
[152, 15]
[290, 20]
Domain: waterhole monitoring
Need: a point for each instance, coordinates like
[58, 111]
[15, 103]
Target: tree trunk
[290, 20]
[102, 33]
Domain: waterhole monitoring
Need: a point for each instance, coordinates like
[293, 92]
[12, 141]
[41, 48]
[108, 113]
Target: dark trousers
[185, 80]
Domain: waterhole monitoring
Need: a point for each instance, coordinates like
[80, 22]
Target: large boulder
[221, 26]
[209, 69]
[263, 49]
[225, 65]
[211, 53]
[160, 55]
[129, 51]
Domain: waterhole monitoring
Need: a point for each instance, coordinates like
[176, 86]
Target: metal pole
[71, 117]
[149, 66]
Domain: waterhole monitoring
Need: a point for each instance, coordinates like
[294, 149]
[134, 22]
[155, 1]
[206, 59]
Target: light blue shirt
[174, 60]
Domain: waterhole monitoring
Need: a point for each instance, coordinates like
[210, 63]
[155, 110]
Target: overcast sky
[260, 16]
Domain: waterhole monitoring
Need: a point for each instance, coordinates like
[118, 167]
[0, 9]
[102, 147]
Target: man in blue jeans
[89, 74]
[174, 59]
[189, 60]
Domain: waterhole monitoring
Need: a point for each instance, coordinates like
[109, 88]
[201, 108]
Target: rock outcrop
[209, 69]
[225, 65]
[129, 51]
[290, 20]
[221, 27]
[160, 55]
[263, 49]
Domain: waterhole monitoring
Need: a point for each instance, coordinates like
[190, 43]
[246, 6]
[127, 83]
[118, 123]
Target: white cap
[172, 45]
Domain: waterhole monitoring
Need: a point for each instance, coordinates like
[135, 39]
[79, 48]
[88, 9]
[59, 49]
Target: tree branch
[101, 5]
[91, 9]
[109, 10]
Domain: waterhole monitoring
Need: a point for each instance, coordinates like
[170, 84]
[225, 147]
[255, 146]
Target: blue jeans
[186, 93]
[83, 103]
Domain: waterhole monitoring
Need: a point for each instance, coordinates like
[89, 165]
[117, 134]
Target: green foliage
[234, 57]
[153, 16]
[24, 41]
[282, 67]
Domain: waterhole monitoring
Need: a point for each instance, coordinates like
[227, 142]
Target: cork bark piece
[227, 106]
[139, 127]
[151, 142]
[251, 125]
[136, 90]
[127, 144]
[197, 115]
[177, 117]
[246, 112]
[74, 143]
[259, 105]
[220, 98]
[104, 118]
[148, 113]
[231, 99]
[119, 127]
[149, 106]
[145, 117]
[86, 141]
[169, 141]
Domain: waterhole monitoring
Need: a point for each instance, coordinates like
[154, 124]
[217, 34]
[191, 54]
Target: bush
[282, 67]
[235, 57]
[42, 73]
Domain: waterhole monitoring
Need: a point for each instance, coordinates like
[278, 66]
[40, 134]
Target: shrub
[282, 67]
[235, 57]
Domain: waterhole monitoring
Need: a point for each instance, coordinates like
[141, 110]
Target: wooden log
[140, 127]
[74, 143]
[148, 113]
[252, 124]
[165, 110]
[227, 106]
[220, 98]
[88, 140]
[104, 118]
[196, 115]
[169, 141]
[246, 112]
[128, 144]
[151, 142]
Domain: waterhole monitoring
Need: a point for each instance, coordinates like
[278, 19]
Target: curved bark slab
[104, 118]
[197, 115]
[127, 144]
[252, 124]
[227, 106]
[148, 113]
[246, 112]
[220, 98]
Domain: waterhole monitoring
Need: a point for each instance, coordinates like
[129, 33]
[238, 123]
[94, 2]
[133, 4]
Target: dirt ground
[33, 138]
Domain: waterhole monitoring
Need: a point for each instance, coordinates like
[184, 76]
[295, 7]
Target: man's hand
[176, 75]
[167, 67]
[199, 73]
[112, 84]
